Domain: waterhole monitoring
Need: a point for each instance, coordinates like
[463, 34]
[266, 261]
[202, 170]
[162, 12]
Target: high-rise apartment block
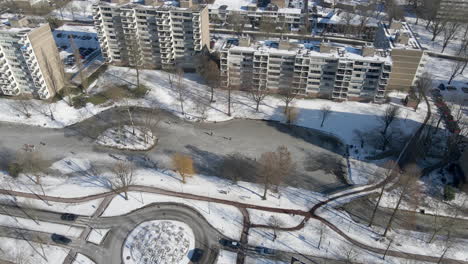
[29, 60]
[326, 70]
[156, 36]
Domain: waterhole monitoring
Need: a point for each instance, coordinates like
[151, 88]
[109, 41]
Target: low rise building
[29, 60]
[325, 70]
[162, 36]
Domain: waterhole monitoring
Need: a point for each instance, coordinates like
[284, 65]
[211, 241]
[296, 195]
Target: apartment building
[29, 60]
[156, 36]
[454, 10]
[324, 70]
[407, 54]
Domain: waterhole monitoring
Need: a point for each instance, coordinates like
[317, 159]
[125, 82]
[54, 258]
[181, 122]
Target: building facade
[154, 36]
[454, 10]
[29, 61]
[324, 70]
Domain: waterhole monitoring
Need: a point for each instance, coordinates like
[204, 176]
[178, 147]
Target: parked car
[68, 217]
[451, 88]
[441, 86]
[59, 239]
[465, 89]
[196, 255]
[229, 243]
[264, 251]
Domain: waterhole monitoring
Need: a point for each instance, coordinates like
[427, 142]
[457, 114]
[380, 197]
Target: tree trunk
[451, 78]
[323, 120]
[126, 194]
[229, 101]
[137, 77]
[386, 250]
[464, 67]
[286, 107]
[258, 105]
[434, 35]
[376, 206]
[394, 212]
[320, 239]
[444, 46]
[131, 119]
[265, 191]
[212, 94]
[428, 23]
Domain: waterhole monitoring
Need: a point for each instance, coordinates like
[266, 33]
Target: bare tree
[325, 111]
[449, 31]
[266, 170]
[209, 70]
[258, 95]
[360, 136]
[390, 114]
[31, 161]
[287, 95]
[365, 14]
[151, 121]
[455, 69]
[181, 89]
[273, 168]
[124, 172]
[388, 247]
[408, 187]
[436, 27]
[136, 57]
[347, 19]
[391, 169]
[79, 64]
[275, 223]
[268, 26]
[22, 105]
[236, 21]
[233, 166]
[83, 9]
[183, 164]
[322, 229]
[292, 114]
[72, 9]
[349, 253]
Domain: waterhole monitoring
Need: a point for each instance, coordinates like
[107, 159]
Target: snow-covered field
[127, 137]
[97, 235]
[75, 10]
[14, 250]
[226, 257]
[424, 37]
[161, 241]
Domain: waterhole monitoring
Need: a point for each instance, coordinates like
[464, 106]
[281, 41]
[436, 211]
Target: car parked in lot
[441, 86]
[451, 88]
[59, 239]
[265, 251]
[229, 243]
[68, 217]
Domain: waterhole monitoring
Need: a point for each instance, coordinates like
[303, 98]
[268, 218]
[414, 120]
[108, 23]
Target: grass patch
[97, 99]
[79, 101]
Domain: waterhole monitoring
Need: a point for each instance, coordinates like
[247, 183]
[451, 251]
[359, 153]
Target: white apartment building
[29, 61]
[325, 70]
[161, 36]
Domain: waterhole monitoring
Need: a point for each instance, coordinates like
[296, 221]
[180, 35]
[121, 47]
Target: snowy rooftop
[77, 28]
[401, 36]
[166, 5]
[341, 17]
[311, 48]
[241, 5]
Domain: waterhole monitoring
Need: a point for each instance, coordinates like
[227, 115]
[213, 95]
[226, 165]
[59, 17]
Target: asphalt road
[310, 149]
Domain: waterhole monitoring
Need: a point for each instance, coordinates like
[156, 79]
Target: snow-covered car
[68, 217]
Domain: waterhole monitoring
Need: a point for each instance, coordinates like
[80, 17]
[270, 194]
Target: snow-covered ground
[226, 219]
[160, 241]
[424, 37]
[14, 249]
[127, 137]
[76, 10]
[82, 259]
[226, 257]
[39, 226]
[97, 235]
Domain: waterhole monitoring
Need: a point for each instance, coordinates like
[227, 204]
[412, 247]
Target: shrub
[79, 101]
[140, 91]
[449, 193]
[14, 169]
[97, 99]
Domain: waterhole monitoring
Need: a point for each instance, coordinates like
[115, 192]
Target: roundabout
[159, 242]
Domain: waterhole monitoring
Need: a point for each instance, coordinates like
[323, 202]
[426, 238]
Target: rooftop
[167, 5]
[242, 5]
[312, 48]
[400, 36]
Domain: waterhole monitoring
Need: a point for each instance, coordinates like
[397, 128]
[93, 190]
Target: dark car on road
[68, 217]
[59, 239]
[264, 251]
[229, 243]
[195, 255]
